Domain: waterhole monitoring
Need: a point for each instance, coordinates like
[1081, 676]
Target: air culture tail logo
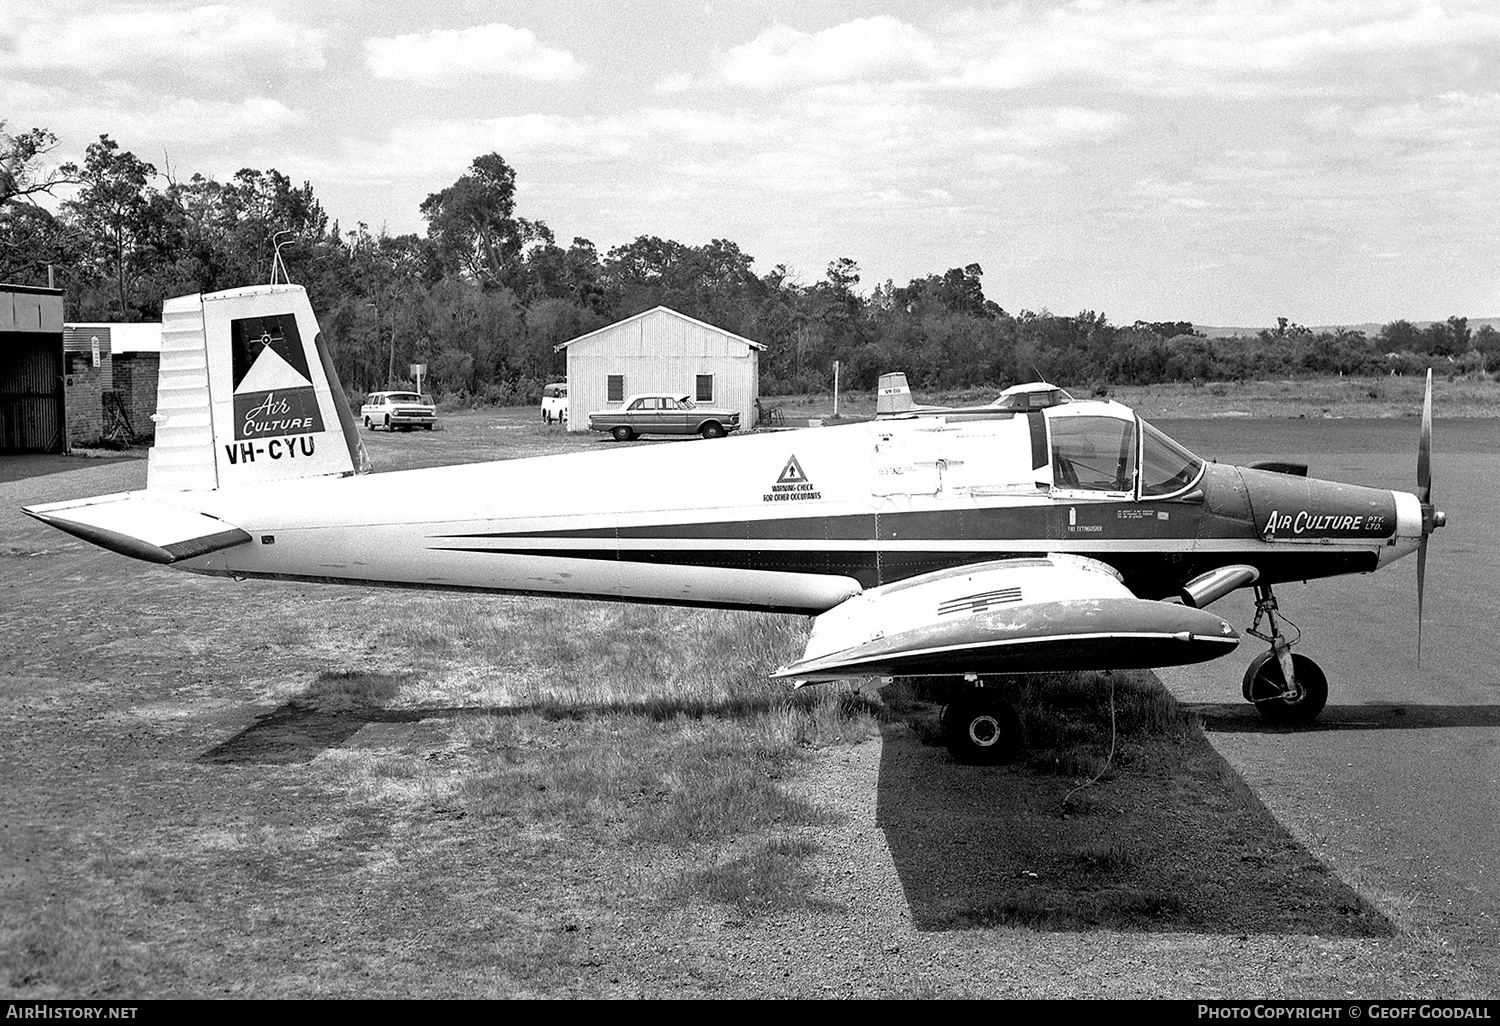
[273, 390]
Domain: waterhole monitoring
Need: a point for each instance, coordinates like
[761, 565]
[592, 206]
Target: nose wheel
[1284, 687]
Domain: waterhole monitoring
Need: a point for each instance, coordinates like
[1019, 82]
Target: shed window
[705, 388]
[616, 386]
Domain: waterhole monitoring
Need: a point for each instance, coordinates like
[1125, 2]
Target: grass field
[1476, 396]
[276, 790]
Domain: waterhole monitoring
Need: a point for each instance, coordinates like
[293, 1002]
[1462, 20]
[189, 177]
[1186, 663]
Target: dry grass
[272, 790]
[1286, 398]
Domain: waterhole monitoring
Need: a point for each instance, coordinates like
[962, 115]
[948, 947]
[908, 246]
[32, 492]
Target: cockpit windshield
[1093, 453]
[1166, 467]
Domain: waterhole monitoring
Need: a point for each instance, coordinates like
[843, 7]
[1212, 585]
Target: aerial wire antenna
[279, 275]
[1108, 758]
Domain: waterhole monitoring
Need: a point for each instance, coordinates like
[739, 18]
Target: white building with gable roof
[661, 350]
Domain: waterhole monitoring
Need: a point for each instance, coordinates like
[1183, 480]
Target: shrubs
[523, 391]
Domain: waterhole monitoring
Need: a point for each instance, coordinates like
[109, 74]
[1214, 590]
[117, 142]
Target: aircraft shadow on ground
[1186, 849]
[339, 705]
[1240, 718]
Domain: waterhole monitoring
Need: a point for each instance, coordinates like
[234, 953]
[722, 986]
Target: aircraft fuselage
[795, 521]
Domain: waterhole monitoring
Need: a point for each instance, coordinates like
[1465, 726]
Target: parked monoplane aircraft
[1069, 536]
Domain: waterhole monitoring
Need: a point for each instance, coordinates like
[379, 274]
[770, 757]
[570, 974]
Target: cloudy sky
[1330, 161]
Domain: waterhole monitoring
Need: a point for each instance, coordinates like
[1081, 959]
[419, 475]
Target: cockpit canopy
[1115, 451]
[1034, 395]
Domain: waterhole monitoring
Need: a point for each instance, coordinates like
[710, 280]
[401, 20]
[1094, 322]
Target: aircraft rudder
[248, 394]
[893, 396]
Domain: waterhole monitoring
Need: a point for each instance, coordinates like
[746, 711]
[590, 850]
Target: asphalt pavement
[1397, 785]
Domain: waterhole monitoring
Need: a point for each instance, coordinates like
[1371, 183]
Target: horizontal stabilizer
[1007, 616]
[135, 525]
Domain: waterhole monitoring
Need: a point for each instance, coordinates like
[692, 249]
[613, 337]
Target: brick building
[130, 360]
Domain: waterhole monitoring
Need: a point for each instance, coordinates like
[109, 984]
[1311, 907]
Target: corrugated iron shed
[33, 416]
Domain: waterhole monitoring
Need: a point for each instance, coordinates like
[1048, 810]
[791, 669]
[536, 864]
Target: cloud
[442, 150]
[136, 118]
[492, 49]
[196, 41]
[1452, 117]
[877, 47]
[1192, 48]
[1041, 127]
[1155, 47]
[669, 85]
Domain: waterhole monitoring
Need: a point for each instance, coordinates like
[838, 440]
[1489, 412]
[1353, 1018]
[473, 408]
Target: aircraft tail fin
[893, 397]
[247, 394]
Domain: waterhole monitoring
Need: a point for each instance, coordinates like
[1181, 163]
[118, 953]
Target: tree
[21, 177]
[1437, 339]
[1167, 329]
[1458, 331]
[1487, 341]
[1400, 336]
[958, 291]
[112, 213]
[1285, 330]
[261, 205]
[30, 240]
[474, 225]
[642, 274]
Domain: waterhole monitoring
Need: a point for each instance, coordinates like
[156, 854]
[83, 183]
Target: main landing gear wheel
[981, 729]
[1265, 687]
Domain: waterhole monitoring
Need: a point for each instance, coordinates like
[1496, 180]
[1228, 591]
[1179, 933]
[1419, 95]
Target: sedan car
[392, 410]
[662, 413]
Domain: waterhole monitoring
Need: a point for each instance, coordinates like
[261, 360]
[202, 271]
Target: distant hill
[1370, 328]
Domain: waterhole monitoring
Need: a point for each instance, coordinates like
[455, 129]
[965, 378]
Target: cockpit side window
[1166, 467]
[1093, 453]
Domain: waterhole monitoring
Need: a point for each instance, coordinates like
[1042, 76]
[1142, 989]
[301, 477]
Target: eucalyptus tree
[22, 174]
[112, 214]
[474, 226]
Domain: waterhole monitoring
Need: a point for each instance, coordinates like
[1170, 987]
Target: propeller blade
[1424, 448]
[1421, 588]
[1431, 519]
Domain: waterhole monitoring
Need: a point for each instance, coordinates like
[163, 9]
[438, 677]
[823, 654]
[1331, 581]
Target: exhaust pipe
[1215, 584]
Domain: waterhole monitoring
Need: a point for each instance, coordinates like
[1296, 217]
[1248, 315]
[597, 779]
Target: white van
[555, 403]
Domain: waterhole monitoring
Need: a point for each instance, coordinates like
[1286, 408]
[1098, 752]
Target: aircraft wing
[134, 524]
[1057, 612]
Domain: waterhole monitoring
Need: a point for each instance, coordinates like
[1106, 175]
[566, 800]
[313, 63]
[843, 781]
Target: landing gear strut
[1283, 687]
[980, 726]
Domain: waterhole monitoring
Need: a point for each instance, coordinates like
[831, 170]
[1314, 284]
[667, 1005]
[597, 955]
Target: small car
[555, 403]
[392, 410]
[662, 413]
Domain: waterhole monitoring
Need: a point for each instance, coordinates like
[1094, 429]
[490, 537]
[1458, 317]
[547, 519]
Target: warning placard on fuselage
[792, 485]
